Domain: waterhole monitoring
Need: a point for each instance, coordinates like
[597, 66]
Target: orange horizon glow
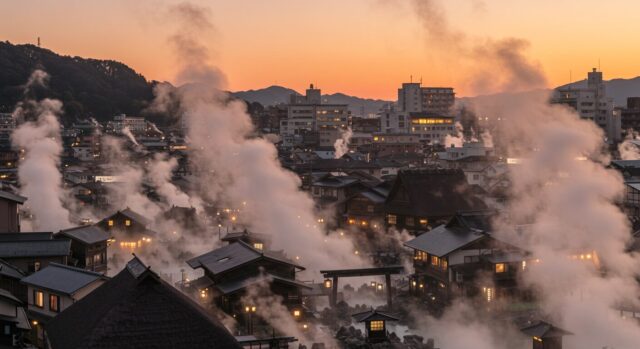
[357, 47]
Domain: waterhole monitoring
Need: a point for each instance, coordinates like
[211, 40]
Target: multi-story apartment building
[137, 125]
[630, 116]
[412, 98]
[307, 118]
[591, 103]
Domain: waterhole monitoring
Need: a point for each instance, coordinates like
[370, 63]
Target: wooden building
[88, 247]
[375, 324]
[9, 214]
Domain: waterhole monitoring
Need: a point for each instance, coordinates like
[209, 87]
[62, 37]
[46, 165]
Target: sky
[365, 48]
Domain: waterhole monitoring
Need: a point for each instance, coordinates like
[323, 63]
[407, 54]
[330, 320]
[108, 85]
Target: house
[88, 247]
[10, 277]
[375, 324]
[55, 288]
[545, 335]
[137, 309]
[229, 270]
[422, 198]
[128, 228]
[9, 214]
[31, 252]
[258, 241]
[464, 258]
[366, 208]
[13, 320]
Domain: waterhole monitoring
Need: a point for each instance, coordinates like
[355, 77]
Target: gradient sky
[359, 47]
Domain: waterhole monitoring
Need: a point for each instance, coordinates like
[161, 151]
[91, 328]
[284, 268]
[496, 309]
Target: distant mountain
[273, 95]
[87, 87]
[619, 89]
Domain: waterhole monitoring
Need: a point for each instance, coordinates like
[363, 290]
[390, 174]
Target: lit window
[377, 325]
[36, 266]
[110, 223]
[392, 219]
[38, 299]
[296, 313]
[424, 221]
[500, 268]
[54, 303]
[435, 261]
[127, 222]
[420, 255]
[258, 245]
[410, 221]
[444, 264]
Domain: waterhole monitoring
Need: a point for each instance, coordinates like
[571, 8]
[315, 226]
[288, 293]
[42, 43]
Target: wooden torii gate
[387, 271]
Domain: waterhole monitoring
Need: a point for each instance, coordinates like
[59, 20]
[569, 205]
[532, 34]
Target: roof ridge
[69, 267]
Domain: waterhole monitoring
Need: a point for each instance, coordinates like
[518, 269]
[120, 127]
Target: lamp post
[250, 309]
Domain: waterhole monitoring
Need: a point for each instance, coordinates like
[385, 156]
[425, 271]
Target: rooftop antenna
[599, 65]
[38, 41]
[570, 78]
[411, 78]
[421, 80]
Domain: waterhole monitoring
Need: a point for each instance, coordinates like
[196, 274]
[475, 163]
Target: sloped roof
[9, 270]
[62, 278]
[232, 286]
[135, 216]
[232, 256]
[12, 197]
[441, 241]
[31, 236]
[40, 248]
[137, 309]
[372, 315]
[543, 329]
[432, 193]
[88, 234]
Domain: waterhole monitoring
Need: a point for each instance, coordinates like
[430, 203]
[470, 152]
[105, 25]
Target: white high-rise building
[591, 103]
[413, 98]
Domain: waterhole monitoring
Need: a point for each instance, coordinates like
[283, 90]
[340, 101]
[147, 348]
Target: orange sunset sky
[359, 47]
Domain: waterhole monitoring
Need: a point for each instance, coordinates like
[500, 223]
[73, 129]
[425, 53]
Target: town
[276, 218]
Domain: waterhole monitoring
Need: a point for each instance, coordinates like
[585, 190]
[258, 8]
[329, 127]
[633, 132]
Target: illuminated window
[392, 219]
[435, 261]
[524, 265]
[444, 264]
[127, 222]
[54, 303]
[420, 255]
[38, 299]
[500, 268]
[296, 313]
[110, 222]
[424, 221]
[258, 245]
[377, 325]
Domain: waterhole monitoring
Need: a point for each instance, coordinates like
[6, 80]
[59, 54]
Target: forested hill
[87, 87]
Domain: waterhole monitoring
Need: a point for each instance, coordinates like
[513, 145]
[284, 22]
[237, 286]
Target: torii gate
[387, 271]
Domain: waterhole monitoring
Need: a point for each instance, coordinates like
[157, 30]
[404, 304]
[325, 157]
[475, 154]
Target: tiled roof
[61, 278]
[88, 234]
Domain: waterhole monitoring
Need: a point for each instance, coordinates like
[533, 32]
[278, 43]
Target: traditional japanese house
[137, 309]
[449, 259]
[229, 270]
[13, 321]
[10, 277]
[30, 252]
[366, 208]
[128, 228]
[420, 199]
[88, 247]
[9, 214]
[257, 241]
[545, 335]
[375, 324]
[55, 288]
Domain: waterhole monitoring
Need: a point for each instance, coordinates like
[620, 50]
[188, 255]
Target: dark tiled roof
[61, 278]
[8, 296]
[441, 241]
[543, 329]
[232, 256]
[25, 236]
[232, 286]
[372, 315]
[432, 193]
[135, 216]
[40, 248]
[88, 234]
[9, 270]
[136, 309]
[12, 197]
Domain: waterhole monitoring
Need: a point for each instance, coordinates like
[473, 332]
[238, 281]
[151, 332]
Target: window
[392, 219]
[377, 325]
[36, 266]
[38, 299]
[127, 222]
[435, 261]
[258, 245]
[7, 330]
[369, 208]
[444, 264]
[420, 255]
[424, 222]
[54, 303]
[410, 221]
[500, 268]
[110, 223]
[471, 259]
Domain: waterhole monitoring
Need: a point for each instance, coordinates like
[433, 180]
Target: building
[375, 324]
[431, 128]
[591, 103]
[412, 97]
[88, 247]
[545, 335]
[137, 125]
[9, 213]
[13, 320]
[10, 277]
[53, 289]
[630, 116]
[310, 122]
[31, 252]
[231, 269]
[128, 228]
[137, 309]
[420, 199]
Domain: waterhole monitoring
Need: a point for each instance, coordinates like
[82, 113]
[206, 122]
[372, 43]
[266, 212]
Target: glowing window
[420, 255]
[258, 246]
[424, 221]
[500, 268]
[38, 299]
[435, 261]
[54, 303]
[392, 219]
[127, 222]
[377, 325]
[110, 222]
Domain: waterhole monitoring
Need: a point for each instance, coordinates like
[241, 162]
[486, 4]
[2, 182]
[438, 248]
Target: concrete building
[431, 129]
[630, 116]
[591, 103]
[310, 122]
[137, 125]
[412, 98]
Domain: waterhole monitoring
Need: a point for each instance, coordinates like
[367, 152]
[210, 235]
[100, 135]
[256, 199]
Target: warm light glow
[376, 325]
[327, 283]
[500, 268]
[296, 313]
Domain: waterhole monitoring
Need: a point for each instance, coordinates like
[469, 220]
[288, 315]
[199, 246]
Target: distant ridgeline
[87, 87]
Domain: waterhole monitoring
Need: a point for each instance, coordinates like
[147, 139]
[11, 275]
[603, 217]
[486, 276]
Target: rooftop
[62, 278]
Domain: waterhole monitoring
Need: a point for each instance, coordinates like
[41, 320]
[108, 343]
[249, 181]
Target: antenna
[599, 65]
[411, 78]
[38, 41]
